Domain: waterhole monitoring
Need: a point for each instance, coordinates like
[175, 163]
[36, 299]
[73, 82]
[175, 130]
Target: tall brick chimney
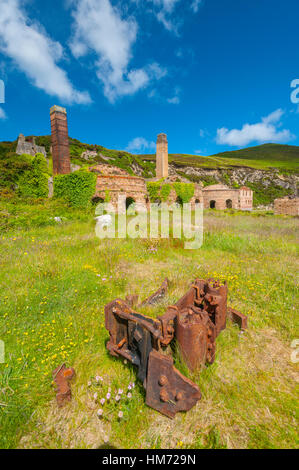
[162, 156]
[60, 141]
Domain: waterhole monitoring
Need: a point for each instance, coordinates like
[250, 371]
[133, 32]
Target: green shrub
[184, 191]
[12, 166]
[165, 191]
[153, 189]
[76, 188]
[34, 181]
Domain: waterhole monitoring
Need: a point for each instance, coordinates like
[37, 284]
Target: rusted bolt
[164, 395]
[163, 380]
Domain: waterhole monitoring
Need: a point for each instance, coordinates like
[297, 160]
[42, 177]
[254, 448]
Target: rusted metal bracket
[194, 322]
[62, 376]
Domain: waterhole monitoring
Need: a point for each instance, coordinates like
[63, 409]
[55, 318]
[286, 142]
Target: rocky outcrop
[240, 176]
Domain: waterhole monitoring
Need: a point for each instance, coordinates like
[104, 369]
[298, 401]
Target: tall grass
[55, 282]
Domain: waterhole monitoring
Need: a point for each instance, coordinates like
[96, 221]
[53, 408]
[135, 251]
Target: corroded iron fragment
[237, 317]
[62, 376]
[194, 322]
[167, 390]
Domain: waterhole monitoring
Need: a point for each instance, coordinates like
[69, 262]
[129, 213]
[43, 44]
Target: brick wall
[123, 186]
[286, 206]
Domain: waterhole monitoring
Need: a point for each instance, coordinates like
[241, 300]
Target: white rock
[104, 220]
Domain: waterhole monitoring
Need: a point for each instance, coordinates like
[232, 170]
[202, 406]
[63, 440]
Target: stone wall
[107, 170]
[29, 147]
[286, 206]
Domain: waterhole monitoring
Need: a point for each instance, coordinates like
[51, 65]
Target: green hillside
[267, 156]
[274, 152]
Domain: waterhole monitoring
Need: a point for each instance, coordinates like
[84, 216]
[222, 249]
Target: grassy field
[57, 278]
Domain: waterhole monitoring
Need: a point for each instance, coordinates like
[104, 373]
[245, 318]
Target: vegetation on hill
[268, 152]
[268, 157]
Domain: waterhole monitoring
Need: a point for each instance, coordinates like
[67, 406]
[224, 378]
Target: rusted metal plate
[237, 317]
[167, 390]
[132, 335]
[62, 376]
[195, 334]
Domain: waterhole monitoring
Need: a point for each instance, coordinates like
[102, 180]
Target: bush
[184, 191]
[34, 181]
[12, 166]
[153, 189]
[76, 188]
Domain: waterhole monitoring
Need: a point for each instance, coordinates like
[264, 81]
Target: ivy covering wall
[159, 191]
[184, 191]
[76, 188]
[33, 182]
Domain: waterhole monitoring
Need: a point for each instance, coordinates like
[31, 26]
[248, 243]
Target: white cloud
[35, 53]
[2, 114]
[140, 144]
[100, 29]
[265, 131]
[164, 10]
[176, 98]
[195, 5]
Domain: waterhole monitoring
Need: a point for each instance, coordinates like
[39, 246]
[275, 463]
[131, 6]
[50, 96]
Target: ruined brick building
[115, 184]
[219, 196]
[120, 186]
[29, 147]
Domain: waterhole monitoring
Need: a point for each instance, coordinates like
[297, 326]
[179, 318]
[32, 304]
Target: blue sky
[214, 75]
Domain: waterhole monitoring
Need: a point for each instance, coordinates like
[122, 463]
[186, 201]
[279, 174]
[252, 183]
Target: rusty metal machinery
[194, 322]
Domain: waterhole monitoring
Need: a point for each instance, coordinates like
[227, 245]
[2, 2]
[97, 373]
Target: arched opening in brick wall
[97, 200]
[212, 204]
[229, 204]
[130, 202]
[179, 201]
